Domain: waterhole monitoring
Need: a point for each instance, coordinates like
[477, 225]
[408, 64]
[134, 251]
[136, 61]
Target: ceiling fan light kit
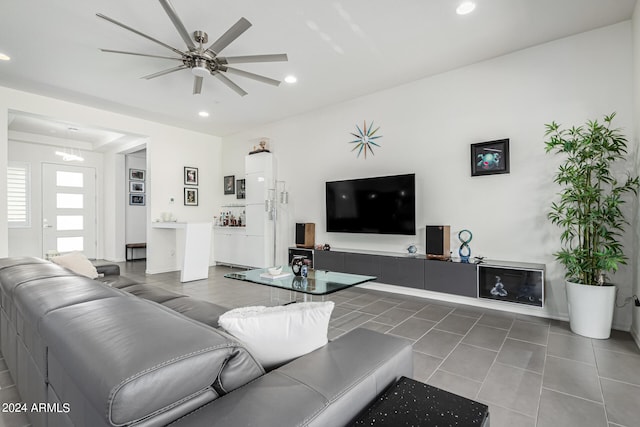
[202, 60]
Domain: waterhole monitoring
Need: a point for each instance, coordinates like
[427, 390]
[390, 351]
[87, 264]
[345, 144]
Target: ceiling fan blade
[126, 27]
[279, 57]
[140, 54]
[224, 79]
[162, 73]
[177, 23]
[232, 33]
[197, 85]
[253, 76]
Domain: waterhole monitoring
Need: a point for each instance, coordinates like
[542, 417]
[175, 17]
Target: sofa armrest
[327, 387]
[107, 269]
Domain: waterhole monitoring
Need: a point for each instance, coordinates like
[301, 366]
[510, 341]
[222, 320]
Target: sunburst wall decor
[365, 139]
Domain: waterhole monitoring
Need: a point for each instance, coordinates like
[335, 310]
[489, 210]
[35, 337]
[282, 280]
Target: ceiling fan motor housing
[202, 60]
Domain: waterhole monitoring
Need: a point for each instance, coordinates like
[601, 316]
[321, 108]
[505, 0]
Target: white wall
[114, 201]
[635, 260]
[28, 241]
[169, 149]
[427, 127]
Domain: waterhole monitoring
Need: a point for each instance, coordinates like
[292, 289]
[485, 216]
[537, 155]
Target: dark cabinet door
[367, 265]
[451, 277]
[399, 271]
[328, 260]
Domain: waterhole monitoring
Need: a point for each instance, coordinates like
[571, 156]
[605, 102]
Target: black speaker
[305, 235]
[438, 238]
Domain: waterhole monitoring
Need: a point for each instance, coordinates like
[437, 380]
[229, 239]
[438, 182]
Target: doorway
[69, 209]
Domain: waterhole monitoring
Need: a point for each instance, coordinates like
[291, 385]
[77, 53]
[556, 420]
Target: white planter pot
[591, 309]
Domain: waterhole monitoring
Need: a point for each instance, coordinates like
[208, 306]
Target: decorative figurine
[261, 148]
[326, 247]
[412, 249]
[296, 265]
[498, 290]
[464, 251]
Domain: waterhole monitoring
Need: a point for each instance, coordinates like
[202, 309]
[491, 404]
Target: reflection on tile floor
[530, 371]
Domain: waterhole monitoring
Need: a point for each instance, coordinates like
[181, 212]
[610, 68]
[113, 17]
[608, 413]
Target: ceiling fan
[202, 60]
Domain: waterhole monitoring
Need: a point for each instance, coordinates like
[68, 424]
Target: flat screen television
[380, 205]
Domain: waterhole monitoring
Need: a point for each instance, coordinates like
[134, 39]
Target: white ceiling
[339, 50]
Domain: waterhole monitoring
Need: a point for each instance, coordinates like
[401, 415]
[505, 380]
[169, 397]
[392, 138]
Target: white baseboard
[158, 271]
[475, 302]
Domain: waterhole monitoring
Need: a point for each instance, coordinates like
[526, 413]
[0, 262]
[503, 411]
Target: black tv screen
[380, 205]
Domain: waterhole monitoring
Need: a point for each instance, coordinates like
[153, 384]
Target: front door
[69, 209]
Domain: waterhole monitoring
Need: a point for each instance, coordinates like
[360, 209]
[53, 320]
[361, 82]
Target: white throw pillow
[276, 335]
[78, 263]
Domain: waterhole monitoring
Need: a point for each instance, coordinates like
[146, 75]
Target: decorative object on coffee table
[296, 265]
[490, 158]
[464, 251]
[364, 139]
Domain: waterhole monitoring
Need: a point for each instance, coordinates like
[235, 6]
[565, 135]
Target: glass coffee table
[318, 282]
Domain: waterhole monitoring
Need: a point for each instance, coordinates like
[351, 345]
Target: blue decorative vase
[464, 251]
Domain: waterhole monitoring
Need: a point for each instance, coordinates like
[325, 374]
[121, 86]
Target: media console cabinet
[515, 282]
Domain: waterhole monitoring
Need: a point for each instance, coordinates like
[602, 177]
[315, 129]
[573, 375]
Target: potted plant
[590, 216]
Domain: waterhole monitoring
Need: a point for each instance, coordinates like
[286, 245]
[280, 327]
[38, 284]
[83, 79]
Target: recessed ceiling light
[465, 7]
[291, 79]
[4, 57]
[203, 114]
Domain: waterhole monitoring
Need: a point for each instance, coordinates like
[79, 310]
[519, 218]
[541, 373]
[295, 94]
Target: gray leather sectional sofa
[89, 354]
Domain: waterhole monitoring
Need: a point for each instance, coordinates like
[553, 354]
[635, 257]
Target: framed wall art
[190, 176]
[136, 186]
[136, 199]
[240, 189]
[190, 196]
[136, 174]
[490, 158]
[229, 184]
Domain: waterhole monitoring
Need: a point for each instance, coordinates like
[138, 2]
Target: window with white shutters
[18, 195]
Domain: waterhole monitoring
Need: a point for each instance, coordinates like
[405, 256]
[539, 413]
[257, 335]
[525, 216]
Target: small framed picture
[190, 176]
[136, 174]
[490, 158]
[229, 184]
[136, 199]
[240, 191]
[190, 196]
[136, 187]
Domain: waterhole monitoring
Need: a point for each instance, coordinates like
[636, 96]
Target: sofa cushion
[203, 311]
[78, 263]
[106, 268]
[276, 335]
[327, 387]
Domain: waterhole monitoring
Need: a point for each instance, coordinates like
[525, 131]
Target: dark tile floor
[530, 371]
